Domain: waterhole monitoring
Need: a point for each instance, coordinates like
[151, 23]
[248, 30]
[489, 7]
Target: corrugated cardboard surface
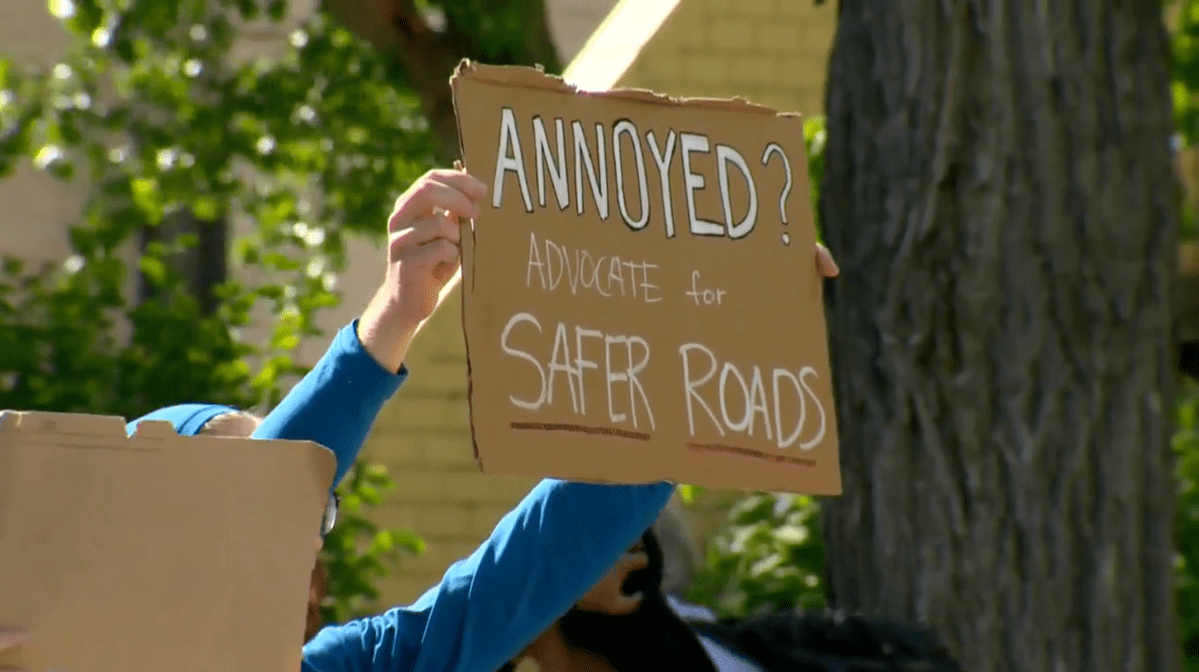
[608, 340]
[156, 552]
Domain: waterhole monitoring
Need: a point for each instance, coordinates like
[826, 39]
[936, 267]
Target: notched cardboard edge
[61, 423]
[535, 78]
[109, 426]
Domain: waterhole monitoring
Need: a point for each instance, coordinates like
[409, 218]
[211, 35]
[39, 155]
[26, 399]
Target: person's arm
[335, 405]
[541, 558]
[337, 402]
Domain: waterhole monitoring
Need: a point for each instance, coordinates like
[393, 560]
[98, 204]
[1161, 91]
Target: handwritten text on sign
[653, 316]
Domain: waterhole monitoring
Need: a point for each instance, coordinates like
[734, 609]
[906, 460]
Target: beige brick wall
[773, 52]
[572, 22]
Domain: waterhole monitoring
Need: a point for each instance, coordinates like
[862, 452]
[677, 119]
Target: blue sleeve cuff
[348, 345]
[337, 402]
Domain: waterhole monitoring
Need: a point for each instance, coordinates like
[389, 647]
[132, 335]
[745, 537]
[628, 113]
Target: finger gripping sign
[640, 293]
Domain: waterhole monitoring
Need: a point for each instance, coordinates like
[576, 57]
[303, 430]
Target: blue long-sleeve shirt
[543, 556]
[336, 403]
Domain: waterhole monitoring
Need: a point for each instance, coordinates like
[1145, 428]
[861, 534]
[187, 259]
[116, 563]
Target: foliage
[769, 557]
[1186, 447]
[814, 136]
[302, 148]
[1184, 65]
[1185, 90]
[357, 552]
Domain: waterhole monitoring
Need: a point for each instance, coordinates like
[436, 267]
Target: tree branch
[397, 28]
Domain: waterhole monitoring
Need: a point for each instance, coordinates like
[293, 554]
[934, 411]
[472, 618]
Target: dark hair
[651, 639]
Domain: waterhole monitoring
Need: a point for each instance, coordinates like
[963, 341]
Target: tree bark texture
[1000, 195]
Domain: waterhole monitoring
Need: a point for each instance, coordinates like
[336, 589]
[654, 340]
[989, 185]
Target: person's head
[231, 424]
[648, 638]
[317, 590]
[226, 422]
[202, 419]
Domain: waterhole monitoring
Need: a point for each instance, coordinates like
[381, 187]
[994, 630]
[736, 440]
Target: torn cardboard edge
[86, 430]
[536, 78]
[82, 424]
[471, 79]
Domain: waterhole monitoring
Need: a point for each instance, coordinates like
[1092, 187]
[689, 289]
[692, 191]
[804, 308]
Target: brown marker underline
[581, 429]
[748, 452]
[644, 436]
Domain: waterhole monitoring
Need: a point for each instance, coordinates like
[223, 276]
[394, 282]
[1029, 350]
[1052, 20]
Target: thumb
[631, 562]
[626, 604]
[11, 639]
[437, 255]
[825, 265]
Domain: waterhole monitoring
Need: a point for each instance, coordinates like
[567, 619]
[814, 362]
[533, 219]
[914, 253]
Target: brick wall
[773, 52]
[573, 21]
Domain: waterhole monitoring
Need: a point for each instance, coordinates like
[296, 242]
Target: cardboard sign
[156, 552]
[640, 294]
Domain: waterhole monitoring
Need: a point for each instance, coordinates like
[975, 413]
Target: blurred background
[193, 197]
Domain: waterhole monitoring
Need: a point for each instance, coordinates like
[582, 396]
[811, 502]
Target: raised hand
[423, 254]
[608, 596]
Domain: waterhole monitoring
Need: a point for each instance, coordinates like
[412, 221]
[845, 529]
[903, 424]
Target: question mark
[772, 149]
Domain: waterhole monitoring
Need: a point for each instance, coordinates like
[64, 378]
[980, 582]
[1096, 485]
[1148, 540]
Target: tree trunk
[1000, 195]
[204, 265]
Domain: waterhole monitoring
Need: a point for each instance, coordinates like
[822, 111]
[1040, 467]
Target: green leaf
[687, 493]
[154, 270]
[206, 208]
[147, 198]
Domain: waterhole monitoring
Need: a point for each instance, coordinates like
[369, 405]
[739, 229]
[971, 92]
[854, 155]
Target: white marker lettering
[691, 143]
[541, 147]
[626, 128]
[725, 156]
[598, 179]
[535, 260]
[582, 364]
[509, 350]
[662, 161]
[509, 158]
[560, 363]
[690, 384]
